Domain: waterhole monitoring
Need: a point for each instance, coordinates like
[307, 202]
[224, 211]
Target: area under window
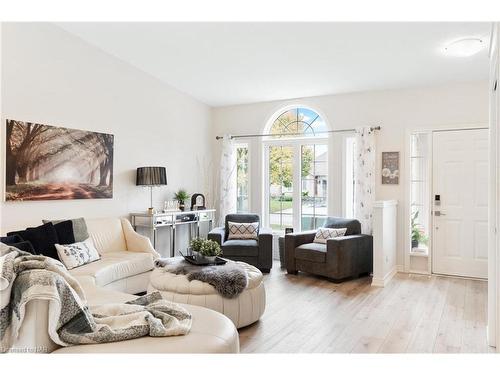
[242, 179]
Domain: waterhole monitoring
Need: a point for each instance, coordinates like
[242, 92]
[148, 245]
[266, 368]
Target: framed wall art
[390, 168]
[46, 162]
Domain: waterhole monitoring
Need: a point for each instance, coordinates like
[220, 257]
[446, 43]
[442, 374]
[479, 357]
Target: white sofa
[125, 267]
[126, 256]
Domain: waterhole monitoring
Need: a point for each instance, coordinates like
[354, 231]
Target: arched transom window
[298, 122]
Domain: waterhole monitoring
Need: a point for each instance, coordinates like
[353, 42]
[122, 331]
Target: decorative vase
[414, 244]
[182, 205]
[210, 259]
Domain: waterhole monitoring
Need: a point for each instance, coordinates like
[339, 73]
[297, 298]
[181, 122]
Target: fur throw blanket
[229, 279]
[25, 277]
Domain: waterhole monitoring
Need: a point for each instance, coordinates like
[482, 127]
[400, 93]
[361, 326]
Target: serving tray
[202, 261]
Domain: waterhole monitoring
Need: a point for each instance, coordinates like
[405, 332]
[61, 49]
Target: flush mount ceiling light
[464, 47]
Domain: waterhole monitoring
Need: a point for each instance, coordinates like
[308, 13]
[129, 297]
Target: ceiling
[233, 63]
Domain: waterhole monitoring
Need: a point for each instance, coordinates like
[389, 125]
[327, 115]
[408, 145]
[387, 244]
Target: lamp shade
[151, 176]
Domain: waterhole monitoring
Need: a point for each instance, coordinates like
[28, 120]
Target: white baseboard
[382, 282]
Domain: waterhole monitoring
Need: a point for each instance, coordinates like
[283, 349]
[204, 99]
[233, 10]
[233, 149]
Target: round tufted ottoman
[243, 310]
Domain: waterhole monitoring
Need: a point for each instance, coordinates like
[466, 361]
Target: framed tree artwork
[46, 162]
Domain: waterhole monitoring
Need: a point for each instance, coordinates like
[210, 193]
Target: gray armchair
[258, 253]
[341, 258]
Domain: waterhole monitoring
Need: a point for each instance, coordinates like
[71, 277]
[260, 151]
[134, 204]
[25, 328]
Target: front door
[460, 203]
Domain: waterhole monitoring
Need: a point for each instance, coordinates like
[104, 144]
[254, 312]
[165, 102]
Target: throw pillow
[77, 254]
[64, 230]
[323, 234]
[18, 242]
[80, 231]
[43, 239]
[243, 231]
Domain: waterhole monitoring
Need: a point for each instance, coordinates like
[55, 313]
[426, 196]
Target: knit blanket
[25, 277]
[229, 279]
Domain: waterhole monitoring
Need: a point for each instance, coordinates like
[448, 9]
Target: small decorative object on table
[170, 206]
[181, 196]
[207, 250]
[198, 202]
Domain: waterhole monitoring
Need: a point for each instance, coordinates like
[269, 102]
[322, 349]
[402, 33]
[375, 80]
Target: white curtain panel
[364, 175]
[227, 201]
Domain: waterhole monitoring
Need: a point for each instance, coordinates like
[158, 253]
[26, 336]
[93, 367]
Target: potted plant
[181, 196]
[210, 250]
[196, 244]
[417, 234]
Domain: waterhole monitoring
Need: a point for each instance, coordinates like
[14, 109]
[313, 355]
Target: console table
[172, 219]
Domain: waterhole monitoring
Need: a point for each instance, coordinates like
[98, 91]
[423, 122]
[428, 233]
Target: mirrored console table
[172, 220]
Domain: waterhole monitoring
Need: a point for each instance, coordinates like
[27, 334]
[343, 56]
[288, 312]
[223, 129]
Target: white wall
[396, 111]
[52, 77]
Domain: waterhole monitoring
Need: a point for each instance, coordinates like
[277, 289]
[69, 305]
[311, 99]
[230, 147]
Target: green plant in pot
[210, 249]
[181, 196]
[417, 233]
[206, 248]
[196, 244]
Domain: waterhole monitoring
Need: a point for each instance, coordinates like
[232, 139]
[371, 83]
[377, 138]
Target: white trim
[493, 328]
[383, 281]
[388, 203]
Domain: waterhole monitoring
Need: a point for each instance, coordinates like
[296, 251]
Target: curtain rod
[218, 137]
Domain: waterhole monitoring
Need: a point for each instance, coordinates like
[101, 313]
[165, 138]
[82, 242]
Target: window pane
[314, 171]
[242, 183]
[281, 187]
[298, 122]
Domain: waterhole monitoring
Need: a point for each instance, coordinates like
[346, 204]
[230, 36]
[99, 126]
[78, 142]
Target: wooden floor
[414, 314]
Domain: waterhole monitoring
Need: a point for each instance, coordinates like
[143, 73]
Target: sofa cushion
[77, 254]
[353, 226]
[323, 234]
[312, 252]
[107, 235]
[239, 218]
[18, 243]
[243, 231]
[115, 266]
[43, 239]
[64, 231]
[240, 248]
[80, 231]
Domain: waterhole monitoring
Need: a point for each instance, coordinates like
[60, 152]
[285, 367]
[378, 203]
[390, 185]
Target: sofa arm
[265, 248]
[136, 242]
[217, 235]
[350, 255]
[292, 240]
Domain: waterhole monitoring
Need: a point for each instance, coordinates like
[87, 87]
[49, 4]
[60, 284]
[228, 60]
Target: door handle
[439, 213]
